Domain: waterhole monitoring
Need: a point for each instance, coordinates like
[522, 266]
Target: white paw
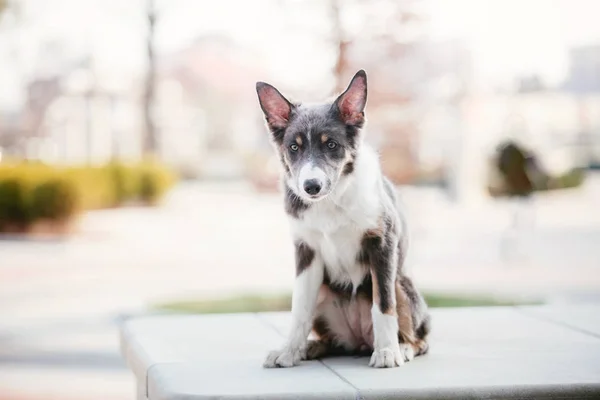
[407, 351]
[283, 358]
[388, 357]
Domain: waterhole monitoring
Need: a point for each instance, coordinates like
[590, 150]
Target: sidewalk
[533, 352]
[129, 258]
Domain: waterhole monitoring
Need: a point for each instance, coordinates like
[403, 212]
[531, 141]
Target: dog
[349, 233]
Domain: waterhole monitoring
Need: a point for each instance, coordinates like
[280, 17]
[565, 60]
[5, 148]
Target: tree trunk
[341, 43]
[149, 133]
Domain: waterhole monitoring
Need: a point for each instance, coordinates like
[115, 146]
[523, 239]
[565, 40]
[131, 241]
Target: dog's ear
[351, 103]
[277, 109]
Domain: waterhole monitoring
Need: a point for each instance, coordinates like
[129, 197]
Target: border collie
[349, 235]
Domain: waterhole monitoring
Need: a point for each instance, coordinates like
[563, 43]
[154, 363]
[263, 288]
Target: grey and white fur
[349, 234]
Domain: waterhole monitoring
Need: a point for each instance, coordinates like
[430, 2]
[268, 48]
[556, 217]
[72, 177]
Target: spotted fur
[349, 232]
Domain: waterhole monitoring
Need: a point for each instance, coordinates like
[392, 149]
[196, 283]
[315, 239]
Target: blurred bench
[499, 352]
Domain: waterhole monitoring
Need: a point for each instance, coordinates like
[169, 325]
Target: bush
[125, 182]
[13, 204]
[94, 187]
[117, 183]
[516, 172]
[30, 192]
[56, 199]
[571, 179]
[155, 180]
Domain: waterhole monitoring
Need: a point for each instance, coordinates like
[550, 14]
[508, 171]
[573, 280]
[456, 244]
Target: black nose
[312, 186]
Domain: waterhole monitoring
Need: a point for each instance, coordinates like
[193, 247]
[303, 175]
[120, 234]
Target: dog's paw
[283, 358]
[407, 351]
[315, 349]
[388, 357]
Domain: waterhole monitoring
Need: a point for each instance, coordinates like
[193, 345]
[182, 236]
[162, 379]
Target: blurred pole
[114, 128]
[88, 125]
[516, 241]
[341, 44]
[64, 140]
[15, 54]
[87, 98]
[149, 133]
[455, 160]
[585, 135]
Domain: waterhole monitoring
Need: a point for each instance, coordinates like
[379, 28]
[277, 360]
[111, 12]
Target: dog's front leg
[309, 277]
[386, 346]
[380, 253]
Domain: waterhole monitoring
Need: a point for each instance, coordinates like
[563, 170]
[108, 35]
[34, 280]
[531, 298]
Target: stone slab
[498, 352]
[584, 317]
[220, 356]
[487, 353]
[235, 377]
[166, 339]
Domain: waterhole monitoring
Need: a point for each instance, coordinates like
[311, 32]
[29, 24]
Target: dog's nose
[312, 186]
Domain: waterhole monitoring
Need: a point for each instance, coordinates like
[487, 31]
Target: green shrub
[33, 191]
[13, 203]
[94, 186]
[125, 182]
[571, 179]
[542, 183]
[56, 199]
[155, 181]
[117, 183]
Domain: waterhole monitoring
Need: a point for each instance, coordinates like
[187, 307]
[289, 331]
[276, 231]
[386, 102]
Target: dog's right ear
[277, 109]
[351, 103]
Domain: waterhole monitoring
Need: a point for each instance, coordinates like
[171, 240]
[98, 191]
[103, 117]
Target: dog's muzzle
[312, 181]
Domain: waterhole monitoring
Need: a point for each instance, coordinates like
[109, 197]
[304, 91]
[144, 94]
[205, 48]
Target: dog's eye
[331, 144]
[294, 147]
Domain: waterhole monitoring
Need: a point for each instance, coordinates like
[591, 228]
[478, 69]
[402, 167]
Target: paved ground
[60, 301]
[550, 352]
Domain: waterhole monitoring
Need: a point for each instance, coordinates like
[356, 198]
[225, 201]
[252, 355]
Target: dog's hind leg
[321, 347]
[406, 329]
[316, 349]
[334, 336]
[422, 332]
[342, 326]
[413, 320]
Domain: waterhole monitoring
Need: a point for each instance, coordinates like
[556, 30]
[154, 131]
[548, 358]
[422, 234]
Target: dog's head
[317, 144]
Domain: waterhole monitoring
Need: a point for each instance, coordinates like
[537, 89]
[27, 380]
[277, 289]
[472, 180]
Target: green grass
[259, 303]
[237, 304]
[447, 300]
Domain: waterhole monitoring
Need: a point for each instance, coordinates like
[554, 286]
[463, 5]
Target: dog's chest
[336, 233]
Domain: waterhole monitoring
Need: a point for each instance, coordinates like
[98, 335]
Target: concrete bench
[500, 352]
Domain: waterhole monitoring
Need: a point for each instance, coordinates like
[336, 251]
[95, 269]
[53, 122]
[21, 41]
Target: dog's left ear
[277, 109]
[351, 103]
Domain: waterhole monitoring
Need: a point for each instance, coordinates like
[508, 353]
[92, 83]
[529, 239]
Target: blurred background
[136, 174]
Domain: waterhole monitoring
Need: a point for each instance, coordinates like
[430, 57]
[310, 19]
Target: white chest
[335, 233]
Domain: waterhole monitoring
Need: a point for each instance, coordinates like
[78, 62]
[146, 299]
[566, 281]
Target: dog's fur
[349, 234]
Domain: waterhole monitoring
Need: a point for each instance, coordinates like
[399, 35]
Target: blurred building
[94, 118]
[11, 132]
[208, 116]
[583, 80]
[75, 113]
[584, 71]
[561, 125]
[413, 89]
